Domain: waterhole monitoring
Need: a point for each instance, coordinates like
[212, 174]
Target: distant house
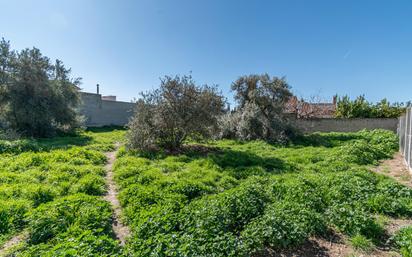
[304, 110]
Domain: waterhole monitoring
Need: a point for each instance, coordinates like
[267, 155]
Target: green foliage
[260, 113]
[90, 184]
[82, 211]
[362, 243]
[12, 215]
[37, 98]
[226, 198]
[403, 240]
[360, 108]
[352, 219]
[75, 243]
[40, 182]
[178, 110]
[237, 198]
[283, 224]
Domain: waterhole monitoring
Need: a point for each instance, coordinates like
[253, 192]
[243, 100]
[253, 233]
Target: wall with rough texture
[345, 125]
[100, 112]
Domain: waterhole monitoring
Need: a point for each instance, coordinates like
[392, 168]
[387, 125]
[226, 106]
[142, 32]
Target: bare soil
[122, 232]
[15, 240]
[333, 246]
[395, 168]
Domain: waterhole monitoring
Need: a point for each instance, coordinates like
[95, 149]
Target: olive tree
[178, 110]
[37, 98]
[260, 112]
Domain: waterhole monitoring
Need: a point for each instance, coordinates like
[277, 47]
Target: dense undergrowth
[403, 240]
[225, 198]
[51, 189]
[231, 198]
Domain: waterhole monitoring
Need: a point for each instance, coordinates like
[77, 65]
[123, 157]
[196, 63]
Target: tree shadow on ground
[326, 245]
[310, 248]
[241, 163]
[63, 142]
[105, 129]
[43, 144]
[241, 160]
[325, 140]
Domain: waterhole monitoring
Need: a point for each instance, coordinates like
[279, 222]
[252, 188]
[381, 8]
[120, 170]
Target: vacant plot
[51, 196]
[239, 199]
[224, 198]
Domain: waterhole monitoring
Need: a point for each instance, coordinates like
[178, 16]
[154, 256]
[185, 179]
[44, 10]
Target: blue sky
[322, 47]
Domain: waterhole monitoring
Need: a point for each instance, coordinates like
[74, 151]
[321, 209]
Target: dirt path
[336, 246]
[121, 230]
[15, 240]
[395, 168]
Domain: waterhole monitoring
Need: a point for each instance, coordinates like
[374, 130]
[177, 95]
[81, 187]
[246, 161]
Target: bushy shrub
[179, 109]
[260, 111]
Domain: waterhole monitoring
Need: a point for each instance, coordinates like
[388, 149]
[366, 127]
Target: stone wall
[345, 125]
[100, 112]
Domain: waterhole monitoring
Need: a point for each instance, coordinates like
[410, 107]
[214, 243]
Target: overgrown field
[51, 190]
[235, 199]
[224, 198]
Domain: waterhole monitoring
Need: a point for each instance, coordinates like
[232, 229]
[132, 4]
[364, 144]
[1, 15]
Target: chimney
[334, 100]
[97, 86]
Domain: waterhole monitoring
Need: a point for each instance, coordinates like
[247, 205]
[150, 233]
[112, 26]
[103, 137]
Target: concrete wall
[100, 112]
[345, 125]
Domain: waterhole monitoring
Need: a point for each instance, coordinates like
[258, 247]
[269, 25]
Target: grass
[223, 198]
[230, 198]
[360, 242]
[52, 188]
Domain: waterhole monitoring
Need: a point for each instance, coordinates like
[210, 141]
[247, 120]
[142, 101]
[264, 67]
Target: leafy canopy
[260, 112]
[179, 109]
[361, 108]
[37, 98]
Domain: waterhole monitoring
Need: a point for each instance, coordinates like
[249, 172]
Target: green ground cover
[229, 198]
[224, 198]
[51, 189]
